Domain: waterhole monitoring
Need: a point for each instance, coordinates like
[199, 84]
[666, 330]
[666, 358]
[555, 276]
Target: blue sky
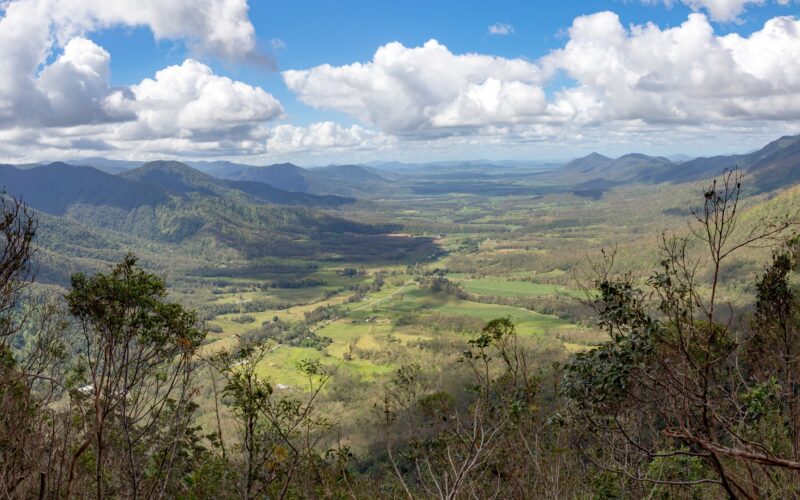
[318, 32]
[271, 81]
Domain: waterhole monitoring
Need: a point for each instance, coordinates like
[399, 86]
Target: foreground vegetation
[430, 379]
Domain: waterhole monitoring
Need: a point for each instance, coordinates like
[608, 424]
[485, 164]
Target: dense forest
[687, 396]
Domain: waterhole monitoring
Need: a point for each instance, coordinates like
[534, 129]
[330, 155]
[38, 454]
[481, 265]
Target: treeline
[440, 284]
[441, 322]
[290, 334]
[688, 398]
[296, 334]
[249, 306]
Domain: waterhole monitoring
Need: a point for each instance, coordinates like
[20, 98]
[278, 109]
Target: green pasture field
[498, 287]
[368, 326]
[279, 365]
[417, 301]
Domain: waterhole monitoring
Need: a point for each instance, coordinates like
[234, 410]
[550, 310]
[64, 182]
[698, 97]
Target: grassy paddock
[499, 287]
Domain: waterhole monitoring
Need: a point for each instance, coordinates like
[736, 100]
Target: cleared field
[527, 322]
[279, 366]
[498, 287]
[292, 295]
[369, 324]
[362, 335]
[296, 313]
[419, 302]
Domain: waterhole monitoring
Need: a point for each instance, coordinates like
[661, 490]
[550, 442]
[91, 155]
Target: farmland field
[507, 288]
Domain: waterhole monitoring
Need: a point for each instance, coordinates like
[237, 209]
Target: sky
[319, 82]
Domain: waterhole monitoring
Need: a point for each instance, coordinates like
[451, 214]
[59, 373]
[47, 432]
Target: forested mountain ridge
[181, 179]
[771, 167]
[357, 173]
[627, 168]
[177, 210]
[55, 187]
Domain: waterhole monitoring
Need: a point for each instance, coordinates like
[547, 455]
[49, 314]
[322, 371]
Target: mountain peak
[174, 176]
[171, 165]
[644, 157]
[587, 163]
[53, 188]
[60, 164]
[639, 156]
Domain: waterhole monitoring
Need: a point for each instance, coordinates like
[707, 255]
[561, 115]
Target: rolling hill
[589, 164]
[286, 176]
[625, 169]
[355, 173]
[774, 166]
[55, 187]
[175, 177]
[220, 169]
[181, 179]
[342, 180]
[106, 165]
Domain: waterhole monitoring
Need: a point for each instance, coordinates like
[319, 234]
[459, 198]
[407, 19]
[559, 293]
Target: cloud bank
[55, 83]
[408, 91]
[642, 74]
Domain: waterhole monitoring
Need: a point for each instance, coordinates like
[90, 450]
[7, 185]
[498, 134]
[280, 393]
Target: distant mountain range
[106, 165]
[341, 180]
[775, 165]
[348, 180]
[771, 167]
[55, 187]
[217, 212]
[180, 179]
[90, 214]
[170, 202]
[628, 168]
[400, 167]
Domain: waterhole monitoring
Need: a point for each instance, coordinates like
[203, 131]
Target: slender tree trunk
[216, 411]
[73, 463]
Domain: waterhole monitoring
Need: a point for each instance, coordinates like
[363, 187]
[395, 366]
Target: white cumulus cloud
[55, 90]
[617, 76]
[220, 27]
[417, 90]
[324, 137]
[189, 100]
[501, 29]
[683, 74]
[74, 88]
